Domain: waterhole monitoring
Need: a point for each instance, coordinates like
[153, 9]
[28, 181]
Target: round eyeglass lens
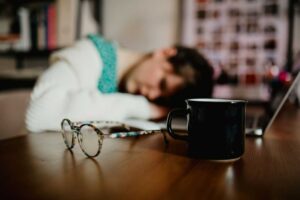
[90, 142]
[67, 134]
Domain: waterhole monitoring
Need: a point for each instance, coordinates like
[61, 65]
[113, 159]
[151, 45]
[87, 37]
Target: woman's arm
[58, 95]
[68, 89]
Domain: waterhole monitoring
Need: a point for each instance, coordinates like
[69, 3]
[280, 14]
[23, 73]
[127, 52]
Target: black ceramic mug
[216, 128]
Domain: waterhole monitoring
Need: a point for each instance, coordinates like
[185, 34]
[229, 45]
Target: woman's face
[155, 77]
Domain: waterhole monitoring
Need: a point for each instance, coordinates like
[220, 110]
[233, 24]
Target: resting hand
[158, 112]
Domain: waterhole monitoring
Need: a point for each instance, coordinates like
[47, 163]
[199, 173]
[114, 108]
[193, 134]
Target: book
[41, 36]
[52, 31]
[66, 22]
[34, 28]
[24, 43]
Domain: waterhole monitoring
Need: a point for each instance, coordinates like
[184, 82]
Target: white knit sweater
[68, 89]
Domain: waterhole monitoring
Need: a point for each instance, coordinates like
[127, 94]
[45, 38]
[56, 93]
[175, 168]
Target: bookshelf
[40, 41]
[20, 56]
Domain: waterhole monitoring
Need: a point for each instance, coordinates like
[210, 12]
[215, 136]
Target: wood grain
[37, 166]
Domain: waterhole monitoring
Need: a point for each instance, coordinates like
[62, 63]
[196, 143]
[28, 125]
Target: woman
[96, 80]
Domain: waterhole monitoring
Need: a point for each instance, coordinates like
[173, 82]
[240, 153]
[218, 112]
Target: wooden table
[37, 166]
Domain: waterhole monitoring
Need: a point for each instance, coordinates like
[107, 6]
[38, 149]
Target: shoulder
[83, 59]
[82, 49]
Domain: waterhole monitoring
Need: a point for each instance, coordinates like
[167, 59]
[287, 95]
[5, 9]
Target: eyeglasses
[90, 137]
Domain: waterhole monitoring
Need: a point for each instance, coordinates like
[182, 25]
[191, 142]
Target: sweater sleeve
[63, 92]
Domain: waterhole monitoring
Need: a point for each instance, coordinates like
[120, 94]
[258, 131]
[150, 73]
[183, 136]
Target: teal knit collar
[107, 52]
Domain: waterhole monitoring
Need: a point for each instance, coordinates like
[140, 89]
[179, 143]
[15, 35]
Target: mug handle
[172, 113]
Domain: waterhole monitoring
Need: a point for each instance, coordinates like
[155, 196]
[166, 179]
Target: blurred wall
[296, 45]
[141, 24]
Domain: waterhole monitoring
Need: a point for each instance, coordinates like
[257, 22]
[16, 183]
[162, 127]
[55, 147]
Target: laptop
[257, 125]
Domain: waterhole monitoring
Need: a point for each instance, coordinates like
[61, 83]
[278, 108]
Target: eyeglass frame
[76, 127]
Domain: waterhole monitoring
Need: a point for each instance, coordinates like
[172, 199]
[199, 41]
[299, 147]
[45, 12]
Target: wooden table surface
[37, 166]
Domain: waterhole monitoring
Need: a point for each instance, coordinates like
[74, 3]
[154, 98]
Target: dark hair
[198, 73]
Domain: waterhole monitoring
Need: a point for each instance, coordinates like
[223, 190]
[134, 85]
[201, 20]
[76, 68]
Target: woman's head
[168, 76]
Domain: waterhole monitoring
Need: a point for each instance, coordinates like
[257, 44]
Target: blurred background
[248, 42]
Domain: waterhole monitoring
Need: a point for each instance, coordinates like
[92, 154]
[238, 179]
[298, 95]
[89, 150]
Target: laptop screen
[280, 90]
[281, 94]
